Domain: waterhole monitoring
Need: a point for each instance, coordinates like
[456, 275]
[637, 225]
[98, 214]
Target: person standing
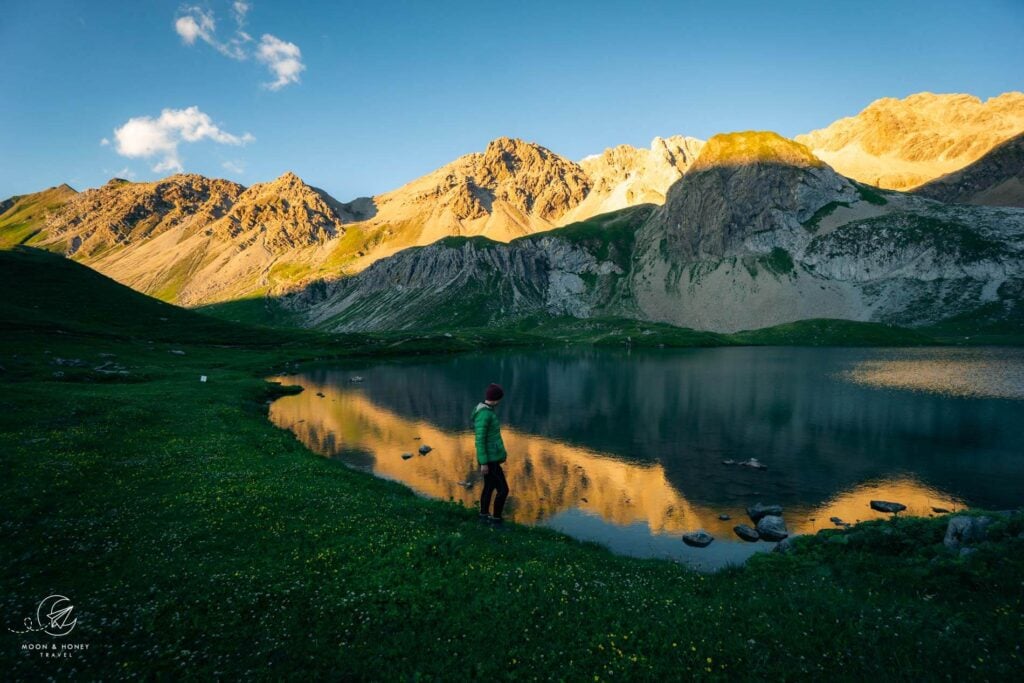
[490, 454]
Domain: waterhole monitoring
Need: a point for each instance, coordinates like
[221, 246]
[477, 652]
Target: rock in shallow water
[406, 456]
[724, 518]
[698, 539]
[758, 511]
[886, 506]
[772, 528]
[424, 449]
[754, 463]
[746, 533]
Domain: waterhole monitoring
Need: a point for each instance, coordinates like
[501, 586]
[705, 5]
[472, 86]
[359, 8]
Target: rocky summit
[512, 188]
[742, 185]
[625, 176]
[900, 144]
[122, 214]
[191, 239]
[286, 213]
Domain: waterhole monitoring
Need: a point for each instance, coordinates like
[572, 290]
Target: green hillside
[45, 292]
[21, 217]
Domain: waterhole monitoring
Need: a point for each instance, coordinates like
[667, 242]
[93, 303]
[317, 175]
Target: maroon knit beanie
[494, 393]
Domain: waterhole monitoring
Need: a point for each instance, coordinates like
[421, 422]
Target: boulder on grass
[963, 531]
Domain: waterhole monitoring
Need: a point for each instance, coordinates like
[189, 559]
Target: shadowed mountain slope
[996, 179]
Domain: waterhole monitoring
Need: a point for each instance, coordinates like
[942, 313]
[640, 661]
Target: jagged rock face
[122, 213]
[625, 176]
[531, 178]
[759, 232]
[742, 186]
[511, 189]
[471, 283]
[193, 240]
[996, 179]
[287, 213]
[476, 282]
[900, 144]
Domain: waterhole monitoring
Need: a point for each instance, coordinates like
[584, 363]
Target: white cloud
[126, 173]
[234, 166]
[104, 142]
[241, 9]
[147, 137]
[284, 60]
[195, 22]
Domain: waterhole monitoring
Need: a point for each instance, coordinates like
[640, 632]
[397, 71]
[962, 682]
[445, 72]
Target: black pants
[494, 482]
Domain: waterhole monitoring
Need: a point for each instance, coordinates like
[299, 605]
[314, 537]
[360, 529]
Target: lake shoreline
[201, 462]
[686, 425]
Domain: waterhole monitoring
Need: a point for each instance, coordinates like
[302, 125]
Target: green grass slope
[255, 310]
[832, 332]
[22, 216]
[46, 292]
[193, 536]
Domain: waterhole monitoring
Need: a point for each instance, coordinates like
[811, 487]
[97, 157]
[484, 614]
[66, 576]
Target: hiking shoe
[483, 518]
[495, 521]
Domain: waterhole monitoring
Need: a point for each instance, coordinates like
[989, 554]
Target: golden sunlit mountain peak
[754, 147]
[902, 143]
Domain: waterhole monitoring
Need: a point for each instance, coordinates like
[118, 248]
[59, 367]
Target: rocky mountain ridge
[900, 144]
[758, 232]
[195, 240]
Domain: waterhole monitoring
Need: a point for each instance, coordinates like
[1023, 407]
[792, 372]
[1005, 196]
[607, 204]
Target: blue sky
[369, 95]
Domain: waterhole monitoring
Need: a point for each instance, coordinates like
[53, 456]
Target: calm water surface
[627, 447]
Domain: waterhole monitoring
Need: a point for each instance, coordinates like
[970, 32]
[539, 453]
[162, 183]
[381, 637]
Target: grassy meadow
[197, 540]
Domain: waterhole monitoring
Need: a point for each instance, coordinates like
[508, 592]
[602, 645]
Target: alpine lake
[633, 448]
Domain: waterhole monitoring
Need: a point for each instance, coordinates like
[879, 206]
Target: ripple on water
[970, 373]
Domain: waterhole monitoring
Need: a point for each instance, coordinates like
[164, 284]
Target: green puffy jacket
[489, 446]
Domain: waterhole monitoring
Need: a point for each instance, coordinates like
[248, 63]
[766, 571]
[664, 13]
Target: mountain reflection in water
[626, 448]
